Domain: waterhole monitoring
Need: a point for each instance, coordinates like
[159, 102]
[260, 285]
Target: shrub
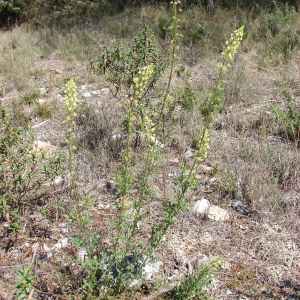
[191, 287]
[30, 97]
[22, 171]
[186, 97]
[278, 34]
[121, 64]
[288, 119]
[9, 11]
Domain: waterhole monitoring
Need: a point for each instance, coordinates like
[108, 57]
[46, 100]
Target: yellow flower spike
[203, 146]
[232, 45]
[140, 82]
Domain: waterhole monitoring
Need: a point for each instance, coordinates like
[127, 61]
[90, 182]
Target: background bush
[16, 11]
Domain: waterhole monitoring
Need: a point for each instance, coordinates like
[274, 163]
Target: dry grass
[19, 53]
[260, 251]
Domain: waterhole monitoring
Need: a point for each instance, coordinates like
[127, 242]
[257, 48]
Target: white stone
[56, 181]
[39, 146]
[62, 243]
[217, 213]
[41, 100]
[148, 272]
[87, 94]
[59, 97]
[174, 161]
[201, 207]
[205, 168]
[229, 292]
[213, 180]
[105, 91]
[63, 227]
[96, 93]
[151, 269]
[42, 90]
[82, 254]
[116, 136]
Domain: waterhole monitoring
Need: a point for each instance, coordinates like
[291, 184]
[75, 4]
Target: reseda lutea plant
[114, 271]
[70, 104]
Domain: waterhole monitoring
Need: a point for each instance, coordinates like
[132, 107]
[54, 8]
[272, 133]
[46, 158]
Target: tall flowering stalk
[138, 86]
[125, 230]
[228, 54]
[188, 176]
[215, 98]
[175, 35]
[70, 105]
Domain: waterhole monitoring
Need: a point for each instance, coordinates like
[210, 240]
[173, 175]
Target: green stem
[73, 192]
[161, 116]
[144, 179]
[124, 187]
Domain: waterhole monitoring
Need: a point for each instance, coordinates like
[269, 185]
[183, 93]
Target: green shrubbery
[122, 65]
[22, 171]
[16, 11]
[277, 34]
[10, 11]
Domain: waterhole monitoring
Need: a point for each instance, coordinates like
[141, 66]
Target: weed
[123, 65]
[43, 110]
[23, 283]
[134, 71]
[186, 97]
[112, 269]
[279, 37]
[22, 171]
[289, 119]
[30, 97]
[20, 115]
[191, 286]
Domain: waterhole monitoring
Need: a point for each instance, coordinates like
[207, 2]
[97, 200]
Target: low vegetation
[116, 118]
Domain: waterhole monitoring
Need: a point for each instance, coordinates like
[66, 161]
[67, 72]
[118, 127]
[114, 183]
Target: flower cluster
[140, 82]
[176, 2]
[70, 102]
[232, 46]
[149, 133]
[228, 54]
[203, 146]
